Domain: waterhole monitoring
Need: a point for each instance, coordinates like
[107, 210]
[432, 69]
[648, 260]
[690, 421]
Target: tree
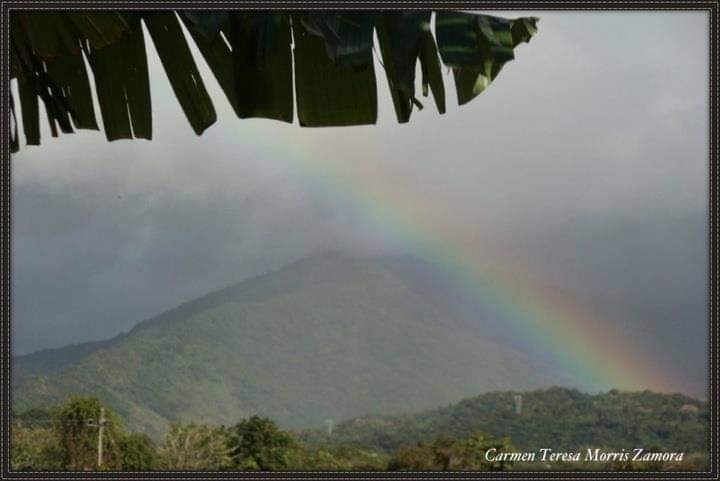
[420, 457]
[194, 447]
[335, 458]
[446, 454]
[258, 444]
[474, 448]
[35, 449]
[137, 452]
[77, 428]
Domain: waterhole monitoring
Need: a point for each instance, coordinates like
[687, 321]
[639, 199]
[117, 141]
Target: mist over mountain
[328, 337]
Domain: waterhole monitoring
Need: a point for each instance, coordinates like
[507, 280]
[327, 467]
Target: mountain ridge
[329, 336]
[556, 417]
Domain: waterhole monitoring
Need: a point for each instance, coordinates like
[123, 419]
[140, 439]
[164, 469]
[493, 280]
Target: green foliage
[122, 83]
[262, 64]
[77, 427]
[420, 457]
[66, 438]
[477, 47]
[194, 447]
[405, 38]
[35, 448]
[446, 454]
[557, 417]
[336, 458]
[137, 452]
[333, 60]
[37, 417]
[322, 83]
[217, 53]
[257, 443]
[180, 68]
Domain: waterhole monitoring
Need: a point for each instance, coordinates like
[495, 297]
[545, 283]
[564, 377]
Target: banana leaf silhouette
[269, 64]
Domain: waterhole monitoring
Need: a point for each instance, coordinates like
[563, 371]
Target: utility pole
[101, 428]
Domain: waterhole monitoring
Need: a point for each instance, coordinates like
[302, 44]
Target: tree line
[67, 438]
[84, 435]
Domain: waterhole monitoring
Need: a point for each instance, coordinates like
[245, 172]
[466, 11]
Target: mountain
[559, 418]
[328, 337]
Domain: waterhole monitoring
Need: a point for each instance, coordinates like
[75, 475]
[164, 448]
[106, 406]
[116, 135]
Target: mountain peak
[329, 336]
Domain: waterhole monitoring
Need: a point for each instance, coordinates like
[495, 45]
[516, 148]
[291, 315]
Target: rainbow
[552, 324]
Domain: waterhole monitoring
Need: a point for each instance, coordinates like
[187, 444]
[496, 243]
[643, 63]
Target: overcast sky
[587, 159]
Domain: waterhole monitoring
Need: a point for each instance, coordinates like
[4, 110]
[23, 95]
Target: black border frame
[711, 7]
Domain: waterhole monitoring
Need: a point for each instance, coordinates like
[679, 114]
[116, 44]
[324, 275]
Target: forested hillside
[330, 337]
[559, 418]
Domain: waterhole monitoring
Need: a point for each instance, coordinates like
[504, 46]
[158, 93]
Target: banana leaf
[31, 71]
[348, 36]
[29, 109]
[99, 27]
[523, 29]
[477, 47]
[404, 38]
[56, 105]
[431, 71]
[208, 23]
[251, 55]
[14, 141]
[322, 85]
[68, 72]
[217, 54]
[48, 33]
[180, 68]
[123, 86]
[262, 62]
